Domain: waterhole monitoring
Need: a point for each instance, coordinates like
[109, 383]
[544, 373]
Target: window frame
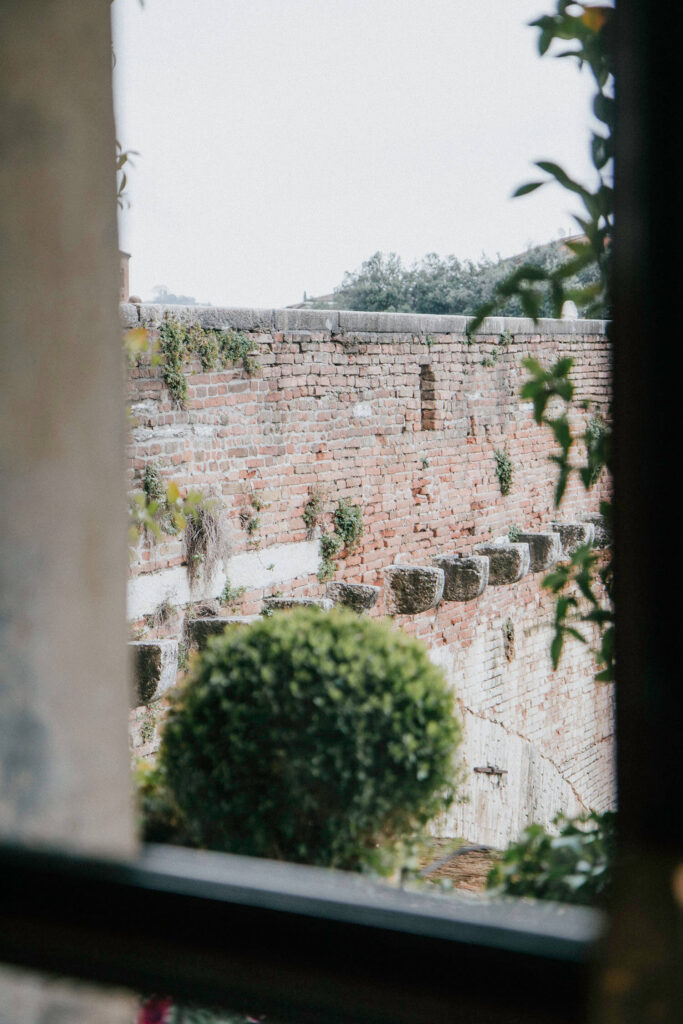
[263, 936]
[232, 935]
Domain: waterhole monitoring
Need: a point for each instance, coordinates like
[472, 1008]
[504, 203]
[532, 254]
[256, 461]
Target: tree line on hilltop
[443, 284]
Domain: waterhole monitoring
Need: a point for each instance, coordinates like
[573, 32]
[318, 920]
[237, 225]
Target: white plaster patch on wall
[253, 569]
[277, 564]
[145, 408]
[162, 433]
[443, 659]
[147, 591]
[361, 410]
[203, 429]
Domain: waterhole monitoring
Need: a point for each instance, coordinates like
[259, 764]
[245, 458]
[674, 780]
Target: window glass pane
[362, 448]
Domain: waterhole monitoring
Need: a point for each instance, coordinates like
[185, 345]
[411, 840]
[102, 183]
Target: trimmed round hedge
[310, 737]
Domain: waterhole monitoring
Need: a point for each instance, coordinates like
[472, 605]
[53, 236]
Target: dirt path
[467, 868]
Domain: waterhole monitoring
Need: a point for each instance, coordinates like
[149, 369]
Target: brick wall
[401, 415]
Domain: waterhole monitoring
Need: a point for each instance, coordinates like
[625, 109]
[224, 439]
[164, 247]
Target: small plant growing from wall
[153, 485]
[329, 735]
[514, 533]
[348, 524]
[148, 726]
[205, 345]
[231, 596]
[173, 352]
[203, 540]
[236, 347]
[250, 520]
[509, 639]
[330, 546]
[504, 471]
[596, 437]
[158, 499]
[312, 513]
[348, 529]
[163, 615]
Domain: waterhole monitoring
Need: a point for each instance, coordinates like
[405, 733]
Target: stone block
[508, 562]
[465, 578]
[279, 604]
[419, 324]
[357, 596]
[412, 588]
[128, 315]
[544, 326]
[237, 319]
[155, 667]
[199, 631]
[209, 317]
[603, 530]
[574, 536]
[306, 320]
[351, 322]
[545, 549]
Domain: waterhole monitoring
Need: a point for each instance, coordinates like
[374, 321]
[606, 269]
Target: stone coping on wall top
[348, 321]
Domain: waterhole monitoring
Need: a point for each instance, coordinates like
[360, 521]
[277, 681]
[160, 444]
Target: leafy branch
[123, 157]
[590, 32]
[578, 585]
[165, 512]
[581, 576]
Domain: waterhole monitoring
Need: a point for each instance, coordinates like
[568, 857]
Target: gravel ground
[467, 869]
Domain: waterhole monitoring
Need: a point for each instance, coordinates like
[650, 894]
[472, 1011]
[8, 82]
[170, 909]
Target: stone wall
[401, 415]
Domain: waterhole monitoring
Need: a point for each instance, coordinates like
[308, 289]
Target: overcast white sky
[283, 142]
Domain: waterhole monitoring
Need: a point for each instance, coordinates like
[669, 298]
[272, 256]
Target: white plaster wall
[552, 732]
[495, 809]
[266, 567]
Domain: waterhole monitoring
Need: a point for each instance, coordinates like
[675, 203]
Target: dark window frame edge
[248, 934]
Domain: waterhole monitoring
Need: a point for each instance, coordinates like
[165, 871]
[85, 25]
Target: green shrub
[311, 737]
[572, 867]
[161, 820]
